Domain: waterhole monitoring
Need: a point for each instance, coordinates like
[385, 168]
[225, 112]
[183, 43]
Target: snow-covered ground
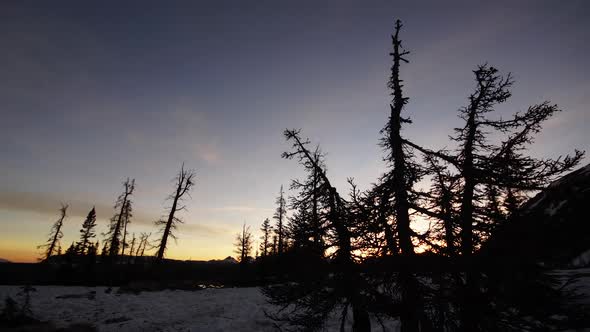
[224, 309]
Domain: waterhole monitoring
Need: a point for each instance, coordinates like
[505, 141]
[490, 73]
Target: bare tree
[126, 222]
[143, 243]
[132, 248]
[55, 235]
[121, 217]
[280, 215]
[244, 244]
[184, 181]
[400, 179]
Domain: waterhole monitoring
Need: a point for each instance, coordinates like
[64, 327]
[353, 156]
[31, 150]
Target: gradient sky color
[94, 92]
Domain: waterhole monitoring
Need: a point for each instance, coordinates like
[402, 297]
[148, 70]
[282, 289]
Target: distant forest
[356, 254]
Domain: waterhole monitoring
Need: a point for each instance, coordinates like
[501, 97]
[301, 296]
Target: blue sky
[91, 94]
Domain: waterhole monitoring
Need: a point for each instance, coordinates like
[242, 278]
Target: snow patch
[226, 309]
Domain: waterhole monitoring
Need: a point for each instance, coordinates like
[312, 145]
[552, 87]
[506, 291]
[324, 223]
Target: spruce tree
[87, 232]
[265, 244]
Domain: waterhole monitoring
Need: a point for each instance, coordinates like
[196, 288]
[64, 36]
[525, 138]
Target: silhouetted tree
[280, 215]
[126, 222]
[309, 301]
[490, 173]
[184, 181]
[90, 259]
[404, 172]
[87, 232]
[483, 165]
[274, 249]
[71, 251]
[132, 248]
[55, 235]
[105, 251]
[121, 218]
[243, 244]
[306, 224]
[265, 245]
[143, 243]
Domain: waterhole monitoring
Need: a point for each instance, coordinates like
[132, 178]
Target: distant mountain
[2, 260]
[553, 227]
[227, 260]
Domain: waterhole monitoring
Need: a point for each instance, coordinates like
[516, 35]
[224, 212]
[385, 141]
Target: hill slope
[553, 227]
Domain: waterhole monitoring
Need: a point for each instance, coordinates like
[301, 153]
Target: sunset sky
[94, 92]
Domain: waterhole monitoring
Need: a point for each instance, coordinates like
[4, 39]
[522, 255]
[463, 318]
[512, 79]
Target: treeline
[118, 244]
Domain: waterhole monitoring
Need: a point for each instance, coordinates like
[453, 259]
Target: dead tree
[143, 243]
[123, 214]
[279, 216]
[55, 235]
[184, 181]
[243, 244]
[132, 249]
[126, 222]
[400, 179]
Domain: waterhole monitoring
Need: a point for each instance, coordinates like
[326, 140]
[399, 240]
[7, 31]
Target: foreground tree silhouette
[53, 245]
[184, 181]
[475, 189]
[87, 233]
[123, 214]
[400, 180]
[306, 225]
[243, 244]
[504, 166]
[314, 296]
[486, 175]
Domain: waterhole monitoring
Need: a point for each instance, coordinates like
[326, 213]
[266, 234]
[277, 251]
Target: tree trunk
[468, 311]
[166, 233]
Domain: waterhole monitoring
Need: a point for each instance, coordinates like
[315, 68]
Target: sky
[93, 93]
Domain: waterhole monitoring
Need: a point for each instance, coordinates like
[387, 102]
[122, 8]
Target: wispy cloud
[236, 208]
[206, 228]
[48, 204]
[208, 152]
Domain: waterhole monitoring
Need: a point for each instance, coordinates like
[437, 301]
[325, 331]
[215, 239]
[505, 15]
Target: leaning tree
[53, 245]
[183, 184]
